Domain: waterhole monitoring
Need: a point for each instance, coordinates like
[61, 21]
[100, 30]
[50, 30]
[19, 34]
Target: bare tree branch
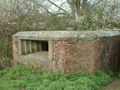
[46, 9]
[95, 4]
[43, 7]
[58, 6]
[62, 5]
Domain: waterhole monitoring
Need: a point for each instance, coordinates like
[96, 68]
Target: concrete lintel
[48, 35]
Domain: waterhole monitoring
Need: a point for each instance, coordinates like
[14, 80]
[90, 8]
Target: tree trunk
[75, 8]
[79, 8]
[85, 7]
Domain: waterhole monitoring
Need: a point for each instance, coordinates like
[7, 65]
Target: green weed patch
[30, 78]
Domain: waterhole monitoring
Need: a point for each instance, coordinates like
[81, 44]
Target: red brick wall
[72, 55]
[110, 53]
[15, 48]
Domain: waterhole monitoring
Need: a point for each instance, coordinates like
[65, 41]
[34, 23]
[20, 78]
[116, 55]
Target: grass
[30, 78]
[6, 85]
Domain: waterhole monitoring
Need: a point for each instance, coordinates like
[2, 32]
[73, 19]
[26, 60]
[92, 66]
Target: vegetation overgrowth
[29, 78]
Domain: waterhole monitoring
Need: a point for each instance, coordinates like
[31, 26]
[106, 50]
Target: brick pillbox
[68, 51]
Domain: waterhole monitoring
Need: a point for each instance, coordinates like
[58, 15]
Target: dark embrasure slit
[33, 46]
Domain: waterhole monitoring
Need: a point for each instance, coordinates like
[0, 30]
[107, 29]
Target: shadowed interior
[33, 46]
